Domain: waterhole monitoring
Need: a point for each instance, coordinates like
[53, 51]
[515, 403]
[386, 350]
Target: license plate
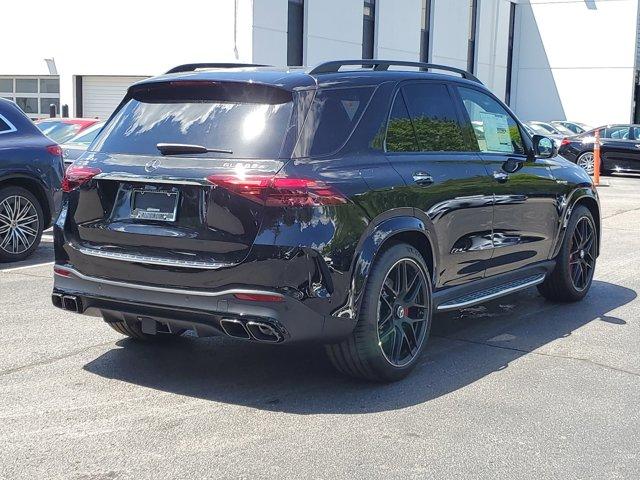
[154, 205]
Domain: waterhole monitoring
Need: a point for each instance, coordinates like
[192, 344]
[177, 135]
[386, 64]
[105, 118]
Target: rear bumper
[205, 312]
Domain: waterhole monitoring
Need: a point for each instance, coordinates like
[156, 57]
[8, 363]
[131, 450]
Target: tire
[134, 330]
[585, 161]
[560, 285]
[369, 351]
[21, 223]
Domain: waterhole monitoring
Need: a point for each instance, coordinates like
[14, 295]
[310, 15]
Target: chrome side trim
[454, 306]
[126, 177]
[150, 288]
[128, 257]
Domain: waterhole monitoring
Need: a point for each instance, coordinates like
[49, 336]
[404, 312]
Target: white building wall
[398, 29]
[269, 36]
[574, 59]
[122, 37]
[450, 33]
[333, 30]
[492, 44]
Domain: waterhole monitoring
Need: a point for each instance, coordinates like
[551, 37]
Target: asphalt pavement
[516, 388]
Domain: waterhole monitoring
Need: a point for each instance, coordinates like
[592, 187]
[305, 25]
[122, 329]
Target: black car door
[620, 149]
[525, 203]
[426, 144]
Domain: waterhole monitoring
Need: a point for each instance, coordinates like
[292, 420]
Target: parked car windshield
[58, 131]
[253, 126]
[85, 138]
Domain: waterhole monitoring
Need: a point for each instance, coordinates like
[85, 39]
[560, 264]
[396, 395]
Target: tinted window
[636, 133]
[401, 136]
[26, 85]
[333, 115]
[57, 130]
[616, 133]
[87, 136]
[434, 118]
[251, 122]
[4, 126]
[494, 128]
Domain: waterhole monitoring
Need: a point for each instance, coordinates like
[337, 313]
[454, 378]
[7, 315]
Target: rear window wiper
[181, 149]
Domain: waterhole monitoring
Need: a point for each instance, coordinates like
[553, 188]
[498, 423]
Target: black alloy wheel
[403, 312]
[582, 253]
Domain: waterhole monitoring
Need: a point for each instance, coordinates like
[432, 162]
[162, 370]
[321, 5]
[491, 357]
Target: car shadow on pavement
[465, 346]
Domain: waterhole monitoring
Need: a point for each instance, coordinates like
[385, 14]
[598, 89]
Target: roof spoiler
[383, 65]
[190, 67]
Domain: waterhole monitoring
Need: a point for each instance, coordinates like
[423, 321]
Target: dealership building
[548, 59]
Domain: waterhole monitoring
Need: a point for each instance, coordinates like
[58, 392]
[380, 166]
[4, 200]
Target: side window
[616, 133]
[6, 126]
[494, 128]
[401, 136]
[636, 133]
[434, 118]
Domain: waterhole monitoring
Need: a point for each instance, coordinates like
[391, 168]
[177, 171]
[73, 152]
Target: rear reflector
[61, 271]
[280, 191]
[77, 175]
[258, 297]
[55, 150]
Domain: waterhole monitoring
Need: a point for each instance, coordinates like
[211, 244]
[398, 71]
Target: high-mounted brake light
[78, 175]
[55, 150]
[280, 191]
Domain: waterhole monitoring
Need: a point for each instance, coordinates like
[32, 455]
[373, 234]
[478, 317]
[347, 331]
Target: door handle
[500, 177]
[422, 178]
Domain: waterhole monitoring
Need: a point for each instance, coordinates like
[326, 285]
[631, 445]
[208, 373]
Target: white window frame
[39, 95]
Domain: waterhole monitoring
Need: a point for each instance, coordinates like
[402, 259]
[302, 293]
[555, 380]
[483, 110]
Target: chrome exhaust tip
[71, 303]
[234, 328]
[56, 299]
[264, 332]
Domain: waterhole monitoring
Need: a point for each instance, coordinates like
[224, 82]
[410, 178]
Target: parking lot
[515, 388]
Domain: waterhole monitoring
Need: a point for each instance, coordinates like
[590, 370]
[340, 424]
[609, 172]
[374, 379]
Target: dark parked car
[324, 205]
[575, 128]
[619, 149]
[30, 175]
[72, 149]
[61, 130]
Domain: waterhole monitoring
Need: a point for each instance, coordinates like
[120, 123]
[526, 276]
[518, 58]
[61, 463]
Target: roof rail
[382, 65]
[190, 67]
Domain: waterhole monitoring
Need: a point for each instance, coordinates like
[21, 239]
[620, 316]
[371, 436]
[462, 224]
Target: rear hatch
[134, 200]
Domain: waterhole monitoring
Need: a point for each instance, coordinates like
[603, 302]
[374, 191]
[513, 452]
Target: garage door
[102, 94]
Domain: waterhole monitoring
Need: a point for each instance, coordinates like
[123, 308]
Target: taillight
[61, 271]
[280, 191]
[55, 150]
[78, 175]
[258, 297]
[565, 141]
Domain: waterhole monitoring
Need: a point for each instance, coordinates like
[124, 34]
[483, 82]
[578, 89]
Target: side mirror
[544, 147]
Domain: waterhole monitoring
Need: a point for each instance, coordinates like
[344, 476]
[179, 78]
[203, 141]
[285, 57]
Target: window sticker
[351, 107]
[496, 132]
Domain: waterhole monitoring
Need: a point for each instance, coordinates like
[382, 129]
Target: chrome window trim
[12, 127]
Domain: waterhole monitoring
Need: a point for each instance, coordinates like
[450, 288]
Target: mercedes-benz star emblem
[152, 165]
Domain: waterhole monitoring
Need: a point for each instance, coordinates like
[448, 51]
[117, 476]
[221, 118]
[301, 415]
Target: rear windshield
[250, 122]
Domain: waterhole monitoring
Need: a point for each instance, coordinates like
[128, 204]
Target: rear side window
[6, 126]
[616, 133]
[250, 121]
[434, 118]
[401, 136]
[333, 115]
[494, 128]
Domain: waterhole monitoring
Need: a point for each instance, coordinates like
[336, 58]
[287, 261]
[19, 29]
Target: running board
[491, 293]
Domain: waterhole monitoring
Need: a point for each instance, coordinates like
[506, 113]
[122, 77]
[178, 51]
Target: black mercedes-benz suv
[341, 206]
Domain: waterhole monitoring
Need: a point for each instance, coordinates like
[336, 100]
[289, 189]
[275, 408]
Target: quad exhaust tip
[67, 302]
[251, 330]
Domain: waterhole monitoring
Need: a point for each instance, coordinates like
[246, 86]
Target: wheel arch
[403, 227]
[581, 196]
[34, 186]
